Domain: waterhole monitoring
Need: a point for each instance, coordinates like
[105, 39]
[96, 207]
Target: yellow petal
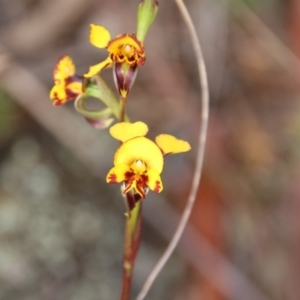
[58, 93]
[125, 131]
[63, 69]
[154, 181]
[170, 144]
[117, 173]
[99, 36]
[99, 67]
[140, 148]
[75, 87]
[53, 92]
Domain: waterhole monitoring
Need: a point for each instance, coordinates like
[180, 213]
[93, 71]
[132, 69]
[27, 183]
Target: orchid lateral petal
[98, 68]
[67, 85]
[99, 36]
[118, 173]
[154, 181]
[171, 145]
[61, 94]
[58, 94]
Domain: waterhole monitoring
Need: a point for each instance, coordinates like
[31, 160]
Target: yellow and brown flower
[138, 162]
[67, 85]
[125, 48]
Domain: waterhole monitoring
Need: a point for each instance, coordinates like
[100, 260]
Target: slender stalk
[133, 230]
[199, 162]
[109, 99]
[123, 108]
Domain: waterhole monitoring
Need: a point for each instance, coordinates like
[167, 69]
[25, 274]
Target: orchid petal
[99, 36]
[170, 144]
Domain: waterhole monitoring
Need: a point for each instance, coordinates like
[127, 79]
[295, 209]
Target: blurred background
[61, 225]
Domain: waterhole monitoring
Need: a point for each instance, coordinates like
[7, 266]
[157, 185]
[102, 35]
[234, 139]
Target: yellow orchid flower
[125, 48]
[67, 85]
[138, 162]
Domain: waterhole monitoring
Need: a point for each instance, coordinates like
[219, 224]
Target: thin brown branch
[200, 156]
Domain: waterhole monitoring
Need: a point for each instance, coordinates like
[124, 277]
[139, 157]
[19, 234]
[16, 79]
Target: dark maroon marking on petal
[118, 76]
[157, 186]
[140, 187]
[112, 56]
[124, 81]
[112, 178]
[131, 59]
[120, 58]
[128, 186]
[70, 95]
[74, 78]
[137, 197]
[68, 81]
[77, 78]
[141, 191]
[129, 175]
[129, 78]
[57, 102]
[144, 177]
[71, 79]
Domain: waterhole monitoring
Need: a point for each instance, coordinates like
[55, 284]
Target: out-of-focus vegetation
[61, 225]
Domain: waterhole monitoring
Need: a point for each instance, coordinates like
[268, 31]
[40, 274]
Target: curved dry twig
[199, 163]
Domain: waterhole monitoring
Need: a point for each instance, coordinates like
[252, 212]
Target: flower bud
[146, 15]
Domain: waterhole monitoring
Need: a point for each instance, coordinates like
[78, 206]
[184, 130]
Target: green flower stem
[123, 108]
[104, 93]
[133, 230]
